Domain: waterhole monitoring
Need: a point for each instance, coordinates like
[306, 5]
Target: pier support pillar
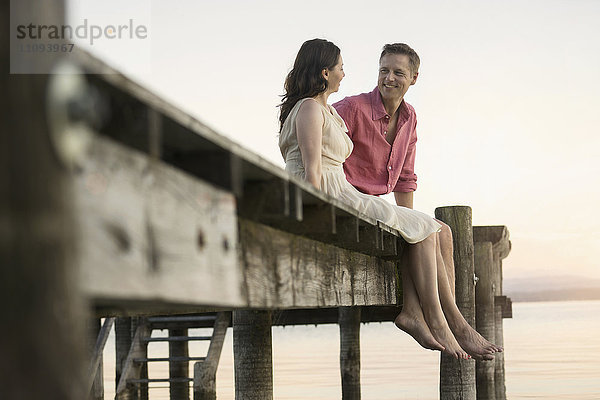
[42, 346]
[499, 379]
[501, 246]
[253, 355]
[485, 317]
[93, 329]
[457, 377]
[349, 322]
[499, 382]
[179, 369]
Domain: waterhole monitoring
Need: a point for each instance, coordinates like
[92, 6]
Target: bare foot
[418, 329]
[441, 332]
[475, 344]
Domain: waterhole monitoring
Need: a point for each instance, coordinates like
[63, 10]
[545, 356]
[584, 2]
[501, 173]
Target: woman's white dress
[414, 226]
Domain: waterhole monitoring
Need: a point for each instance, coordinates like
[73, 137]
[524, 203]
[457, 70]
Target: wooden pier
[155, 221]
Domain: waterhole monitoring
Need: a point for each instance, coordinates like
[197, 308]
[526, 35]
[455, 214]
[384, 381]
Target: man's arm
[407, 182]
[404, 199]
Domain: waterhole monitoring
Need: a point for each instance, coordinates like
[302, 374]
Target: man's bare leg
[469, 339]
[422, 267]
[447, 249]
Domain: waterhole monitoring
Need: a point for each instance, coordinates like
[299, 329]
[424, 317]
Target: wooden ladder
[205, 368]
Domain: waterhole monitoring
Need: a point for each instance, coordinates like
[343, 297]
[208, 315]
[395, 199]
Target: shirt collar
[377, 108]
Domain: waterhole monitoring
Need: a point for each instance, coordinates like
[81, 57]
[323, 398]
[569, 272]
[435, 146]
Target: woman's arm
[309, 129]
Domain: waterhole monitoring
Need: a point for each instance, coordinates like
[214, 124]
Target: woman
[314, 144]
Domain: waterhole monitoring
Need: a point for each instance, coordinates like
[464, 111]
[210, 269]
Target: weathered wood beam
[152, 233]
[95, 375]
[505, 304]
[123, 338]
[131, 369]
[501, 246]
[457, 377]
[281, 270]
[331, 315]
[484, 316]
[499, 375]
[498, 235]
[281, 317]
[349, 322]
[253, 355]
[179, 369]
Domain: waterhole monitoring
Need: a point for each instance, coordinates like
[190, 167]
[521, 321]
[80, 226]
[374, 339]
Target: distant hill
[552, 288]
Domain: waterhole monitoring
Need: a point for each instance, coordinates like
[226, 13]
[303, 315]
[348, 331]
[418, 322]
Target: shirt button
[389, 185]
[387, 117]
[390, 167]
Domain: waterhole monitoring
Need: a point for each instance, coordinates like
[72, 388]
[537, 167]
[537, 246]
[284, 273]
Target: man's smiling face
[395, 76]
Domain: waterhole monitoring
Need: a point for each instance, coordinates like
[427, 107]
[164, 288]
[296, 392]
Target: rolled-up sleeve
[407, 181]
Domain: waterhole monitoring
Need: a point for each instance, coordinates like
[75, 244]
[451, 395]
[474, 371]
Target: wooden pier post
[457, 377]
[179, 369]
[41, 340]
[349, 322]
[499, 237]
[499, 377]
[253, 355]
[499, 381]
[485, 317]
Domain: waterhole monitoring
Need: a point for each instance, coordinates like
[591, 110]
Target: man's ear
[414, 80]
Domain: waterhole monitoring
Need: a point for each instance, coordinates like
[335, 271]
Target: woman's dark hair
[305, 78]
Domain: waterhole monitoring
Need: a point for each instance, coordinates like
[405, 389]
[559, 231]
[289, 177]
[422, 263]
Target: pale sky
[507, 97]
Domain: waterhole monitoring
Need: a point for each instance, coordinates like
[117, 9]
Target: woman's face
[335, 76]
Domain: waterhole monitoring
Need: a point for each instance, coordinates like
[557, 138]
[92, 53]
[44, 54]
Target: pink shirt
[375, 166]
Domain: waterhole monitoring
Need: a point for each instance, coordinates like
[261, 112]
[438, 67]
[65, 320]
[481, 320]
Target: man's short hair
[401, 48]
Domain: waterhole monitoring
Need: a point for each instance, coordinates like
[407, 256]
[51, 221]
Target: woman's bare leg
[422, 268]
[411, 319]
[467, 337]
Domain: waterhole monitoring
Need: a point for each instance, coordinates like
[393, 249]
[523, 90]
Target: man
[382, 127]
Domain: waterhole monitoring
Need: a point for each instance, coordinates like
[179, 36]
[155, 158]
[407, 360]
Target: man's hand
[404, 199]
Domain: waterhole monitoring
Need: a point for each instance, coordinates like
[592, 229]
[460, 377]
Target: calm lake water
[552, 352]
